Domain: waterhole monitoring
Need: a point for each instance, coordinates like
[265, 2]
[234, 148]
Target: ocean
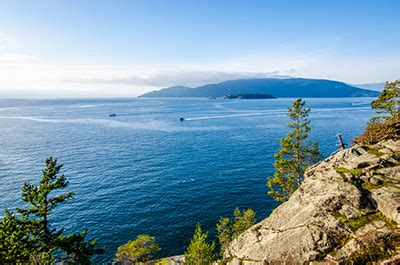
[145, 171]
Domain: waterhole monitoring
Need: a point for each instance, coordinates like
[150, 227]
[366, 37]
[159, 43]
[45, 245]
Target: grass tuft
[354, 172]
[353, 223]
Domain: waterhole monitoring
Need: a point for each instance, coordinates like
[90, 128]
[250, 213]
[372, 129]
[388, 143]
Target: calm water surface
[144, 171]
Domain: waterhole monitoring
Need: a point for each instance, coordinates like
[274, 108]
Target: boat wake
[234, 116]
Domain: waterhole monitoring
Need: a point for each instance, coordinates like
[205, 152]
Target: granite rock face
[346, 200]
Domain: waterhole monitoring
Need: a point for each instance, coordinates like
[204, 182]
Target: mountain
[371, 86]
[277, 87]
[174, 91]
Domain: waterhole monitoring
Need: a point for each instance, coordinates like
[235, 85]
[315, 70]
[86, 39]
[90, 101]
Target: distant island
[249, 96]
[277, 87]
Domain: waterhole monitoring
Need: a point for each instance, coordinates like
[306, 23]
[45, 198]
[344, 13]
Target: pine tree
[224, 230]
[388, 102]
[199, 251]
[243, 221]
[15, 244]
[229, 229]
[295, 156]
[32, 232]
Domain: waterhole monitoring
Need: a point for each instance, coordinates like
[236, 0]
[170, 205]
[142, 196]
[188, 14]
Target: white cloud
[24, 75]
[3, 40]
[16, 58]
[173, 78]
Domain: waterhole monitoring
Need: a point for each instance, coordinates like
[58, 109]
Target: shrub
[377, 131]
[230, 229]
[141, 249]
[243, 221]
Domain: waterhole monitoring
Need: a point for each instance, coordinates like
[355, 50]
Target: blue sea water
[144, 171]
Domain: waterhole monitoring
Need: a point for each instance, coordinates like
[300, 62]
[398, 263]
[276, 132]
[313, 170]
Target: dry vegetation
[379, 131]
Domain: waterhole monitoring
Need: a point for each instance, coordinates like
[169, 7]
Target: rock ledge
[347, 209]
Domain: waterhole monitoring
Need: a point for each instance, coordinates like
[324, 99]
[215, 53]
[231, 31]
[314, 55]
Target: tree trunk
[341, 144]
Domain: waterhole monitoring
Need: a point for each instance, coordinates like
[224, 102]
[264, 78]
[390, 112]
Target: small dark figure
[341, 144]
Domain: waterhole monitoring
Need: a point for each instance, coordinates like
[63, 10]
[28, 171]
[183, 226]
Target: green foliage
[358, 222]
[224, 229]
[355, 223]
[373, 151]
[30, 237]
[387, 124]
[199, 251]
[14, 240]
[295, 156]
[353, 178]
[230, 229]
[370, 186]
[143, 248]
[387, 102]
[78, 248]
[389, 222]
[163, 262]
[354, 172]
[243, 221]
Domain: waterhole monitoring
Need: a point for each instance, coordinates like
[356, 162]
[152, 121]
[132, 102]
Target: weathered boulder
[342, 198]
[388, 202]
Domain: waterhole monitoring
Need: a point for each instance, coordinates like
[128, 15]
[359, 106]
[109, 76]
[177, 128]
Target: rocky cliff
[347, 209]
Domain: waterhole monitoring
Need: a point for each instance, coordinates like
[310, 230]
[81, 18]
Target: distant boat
[181, 119]
[112, 115]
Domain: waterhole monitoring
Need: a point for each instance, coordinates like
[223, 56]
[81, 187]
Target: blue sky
[59, 48]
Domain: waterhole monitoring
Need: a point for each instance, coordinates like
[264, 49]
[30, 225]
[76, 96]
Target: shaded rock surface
[346, 200]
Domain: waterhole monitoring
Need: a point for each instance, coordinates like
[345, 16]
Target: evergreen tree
[224, 230]
[141, 249]
[243, 221]
[35, 238]
[15, 244]
[199, 251]
[229, 229]
[295, 156]
[388, 102]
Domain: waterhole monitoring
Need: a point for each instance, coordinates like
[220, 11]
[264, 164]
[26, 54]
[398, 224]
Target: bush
[243, 221]
[379, 131]
[230, 229]
[141, 249]
[199, 251]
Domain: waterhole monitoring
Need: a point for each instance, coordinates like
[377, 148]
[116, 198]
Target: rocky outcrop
[388, 202]
[347, 209]
[174, 260]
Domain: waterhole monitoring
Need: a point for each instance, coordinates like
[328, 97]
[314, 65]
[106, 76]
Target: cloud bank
[186, 78]
[26, 75]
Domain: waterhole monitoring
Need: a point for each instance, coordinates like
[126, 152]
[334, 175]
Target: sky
[121, 48]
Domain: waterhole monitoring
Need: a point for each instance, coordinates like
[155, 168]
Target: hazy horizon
[96, 49]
